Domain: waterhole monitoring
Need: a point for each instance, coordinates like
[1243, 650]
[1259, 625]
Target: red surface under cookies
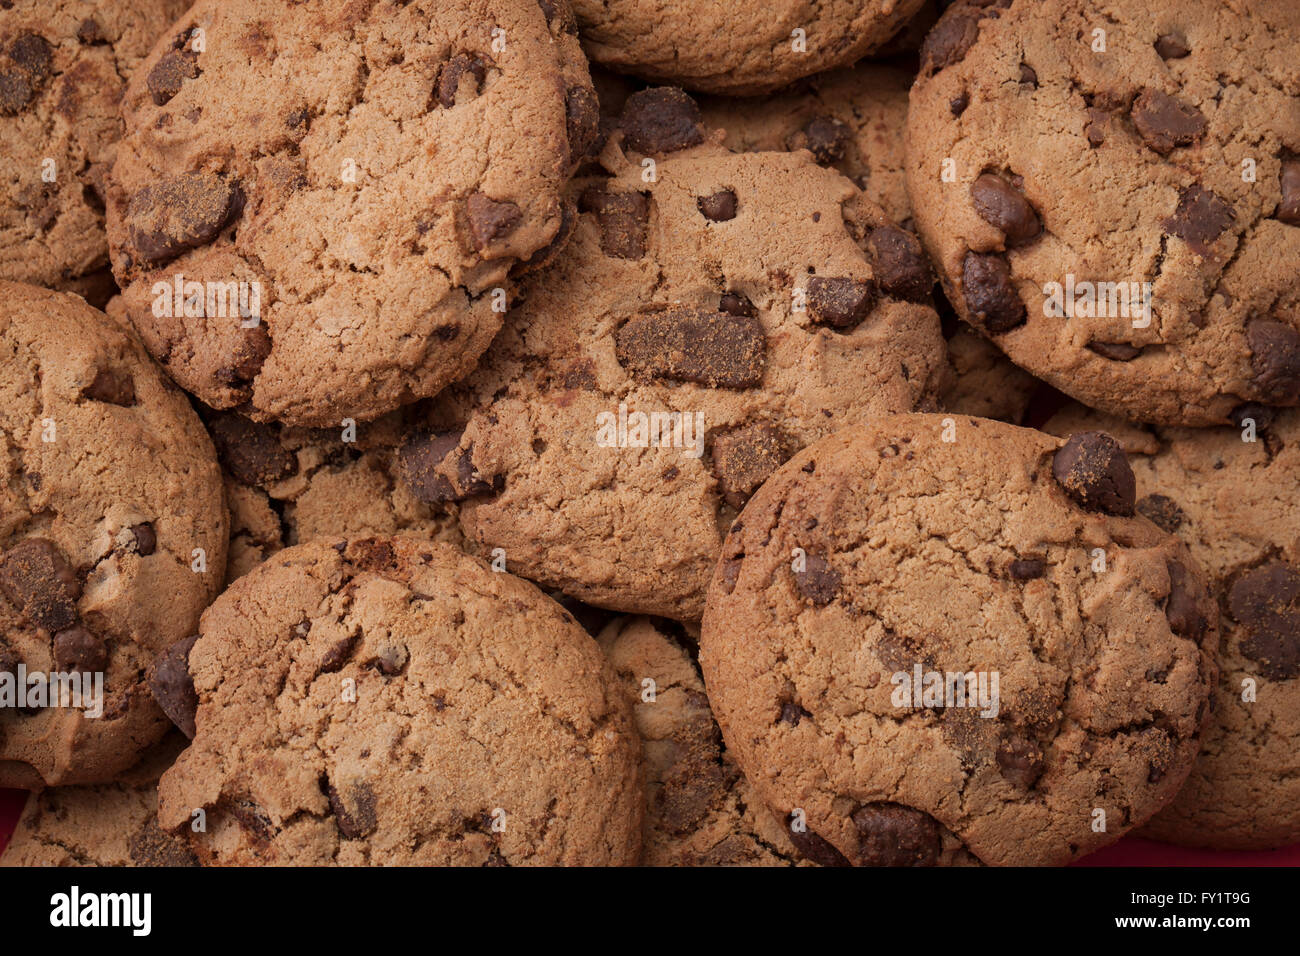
[1131, 851]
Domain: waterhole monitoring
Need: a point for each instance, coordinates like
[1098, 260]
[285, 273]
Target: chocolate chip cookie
[933, 632]
[112, 535]
[697, 330]
[1235, 503]
[700, 811]
[1108, 191]
[849, 119]
[63, 68]
[113, 824]
[287, 485]
[316, 208]
[739, 49]
[393, 701]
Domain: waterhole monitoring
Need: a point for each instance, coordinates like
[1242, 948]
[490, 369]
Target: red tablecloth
[1131, 851]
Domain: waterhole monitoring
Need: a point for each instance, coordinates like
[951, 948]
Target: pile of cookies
[495, 432]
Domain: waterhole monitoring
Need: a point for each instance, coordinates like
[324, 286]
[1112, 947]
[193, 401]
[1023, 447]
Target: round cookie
[112, 532]
[694, 296]
[63, 68]
[342, 229]
[113, 824]
[1056, 184]
[699, 811]
[288, 485]
[849, 119]
[746, 49]
[393, 701]
[882, 573]
[1237, 505]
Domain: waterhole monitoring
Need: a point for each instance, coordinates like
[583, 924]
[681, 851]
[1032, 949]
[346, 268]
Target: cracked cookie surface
[392, 701]
[1169, 158]
[110, 501]
[700, 811]
[113, 824]
[723, 47]
[759, 298]
[1237, 505]
[64, 65]
[377, 168]
[885, 549]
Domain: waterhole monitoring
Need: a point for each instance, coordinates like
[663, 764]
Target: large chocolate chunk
[1003, 206]
[1094, 471]
[991, 298]
[691, 345]
[184, 212]
[1266, 603]
[744, 457]
[661, 119]
[1275, 360]
[173, 687]
[890, 834]
[1165, 122]
[39, 581]
[622, 218]
[251, 451]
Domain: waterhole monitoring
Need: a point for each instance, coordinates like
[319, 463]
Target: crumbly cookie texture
[1040, 165]
[288, 485]
[984, 384]
[759, 298]
[113, 824]
[63, 67]
[885, 550]
[742, 49]
[1237, 505]
[393, 701]
[850, 119]
[112, 531]
[375, 168]
[700, 811]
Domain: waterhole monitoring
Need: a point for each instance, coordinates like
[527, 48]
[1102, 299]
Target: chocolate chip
[1003, 206]
[818, 581]
[1275, 361]
[950, 39]
[581, 121]
[419, 458]
[90, 32]
[957, 105]
[660, 120]
[1095, 130]
[792, 713]
[690, 345]
[1026, 569]
[991, 298]
[1021, 761]
[814, 848]
[733, 303]
[39, 581]
[356, 814]
[622, 218]
[1183, 607]
[1163, 512]
[490, 220]
[744, 457]
[249, 354]
[840, 302]
[464, 71]
[1028, 76]
[1094, 471]
[338, 653]
[29, 65]
[1115, 351]
[826, 138]
[253, 819]
[146, 540]
[251, 451]
[540, 259]
[1266, 602]
[173, 687]
[169, 74]
[152, 846]
[719, 207]
[1288, 210]
[173, 215]
[1201, 216]
[561, 11]
[76, 649]
[111, 386]
[1261, 415]
[890, 834]
[729, 571]
[901, 269]
[1172, 46]
[1164, 122]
